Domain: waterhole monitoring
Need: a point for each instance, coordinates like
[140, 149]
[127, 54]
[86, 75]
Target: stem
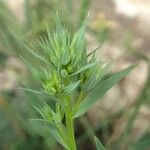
[70, 128]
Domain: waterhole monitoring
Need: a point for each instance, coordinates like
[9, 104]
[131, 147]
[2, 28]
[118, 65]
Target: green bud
[47, 113]
[70, 69]
[64, 73]
[65, 59]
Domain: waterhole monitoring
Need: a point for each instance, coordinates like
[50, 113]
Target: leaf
[95, 50]
[84, 68]
[78, 41]
[35, 72]
[59, 27]
[100, 90]
[65, 59]
[30, 90]
[71, 87]
[35, 54]
[79, 36]
[55, 132]
[46, 112]
[44, 120]
[99, 145]
[42, 93]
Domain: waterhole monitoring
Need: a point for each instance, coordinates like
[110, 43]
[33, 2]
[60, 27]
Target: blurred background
[122, 119]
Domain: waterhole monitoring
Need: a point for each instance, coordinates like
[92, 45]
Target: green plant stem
[70, 128]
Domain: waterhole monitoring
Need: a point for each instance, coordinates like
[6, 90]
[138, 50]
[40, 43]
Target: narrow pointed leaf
[59, 27]
[92, 52]
[79, 36]
[34, 71]
[84, 68]
[31, 90]
[100, 90]
[99, 145]
[72, 87]
[35, 54]
[44, 120]
[55, 132]
[101, 47]
[42, 93]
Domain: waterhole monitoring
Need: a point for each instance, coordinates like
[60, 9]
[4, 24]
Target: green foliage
[68, 74]
[99, 91]
[71, 79]
[99, 145]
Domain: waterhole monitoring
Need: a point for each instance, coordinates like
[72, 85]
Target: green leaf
[31, 90]
[42, 93]
[44, 120]
[79, 36]
[95, 50]
[59, 27]
[45, 111]
[65, 58]
[78, 41]
[33, 70]
[71, 87]
[54, 131]
[35, 54]
[84, 68]
[100, 90]
[99, 145]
